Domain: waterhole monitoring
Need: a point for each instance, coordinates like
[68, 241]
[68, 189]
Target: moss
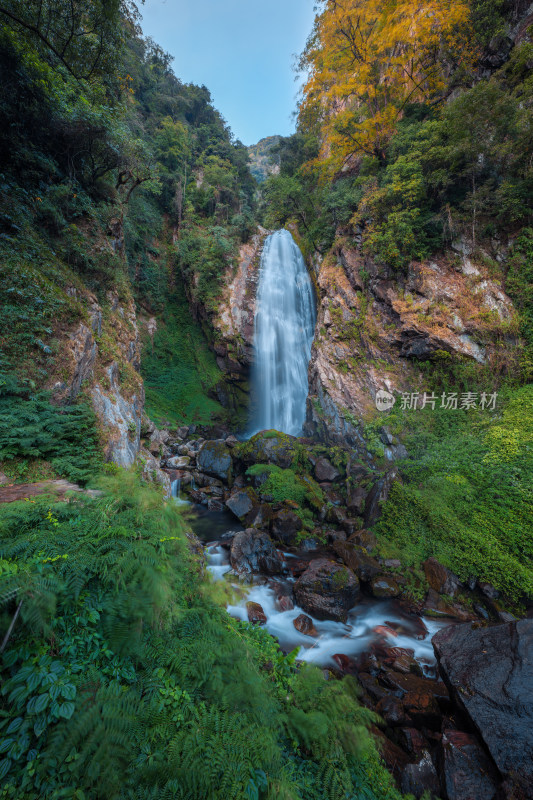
[340, 578]
[180, 371]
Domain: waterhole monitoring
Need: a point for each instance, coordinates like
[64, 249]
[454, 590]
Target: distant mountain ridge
[262, 161]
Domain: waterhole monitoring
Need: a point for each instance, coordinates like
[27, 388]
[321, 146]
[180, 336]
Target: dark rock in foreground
[327, 590]
[253, 552]
[467, 770]
[490, 672]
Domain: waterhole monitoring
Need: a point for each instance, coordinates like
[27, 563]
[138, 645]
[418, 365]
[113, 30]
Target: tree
[367, 59]
[82, 37]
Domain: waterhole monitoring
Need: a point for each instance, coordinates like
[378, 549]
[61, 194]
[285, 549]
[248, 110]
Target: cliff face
[101, 356]
[234, 323]
[373, 326]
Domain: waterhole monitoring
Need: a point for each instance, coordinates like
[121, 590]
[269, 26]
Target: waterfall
[284, 327]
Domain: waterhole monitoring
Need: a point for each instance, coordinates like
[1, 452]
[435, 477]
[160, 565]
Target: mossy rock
[269, 447]
[215, 459]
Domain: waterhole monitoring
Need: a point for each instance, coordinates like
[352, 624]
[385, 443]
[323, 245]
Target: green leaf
[5, 766]
[66, 710]
[5, 744]
[68, 691]
[14, 725]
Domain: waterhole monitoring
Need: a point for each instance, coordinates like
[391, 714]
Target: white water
[284, 327]
[175, 491]
[369, 624]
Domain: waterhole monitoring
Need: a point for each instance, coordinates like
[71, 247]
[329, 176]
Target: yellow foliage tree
[367, 59]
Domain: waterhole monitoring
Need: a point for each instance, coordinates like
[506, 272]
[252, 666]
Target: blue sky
[242, 50]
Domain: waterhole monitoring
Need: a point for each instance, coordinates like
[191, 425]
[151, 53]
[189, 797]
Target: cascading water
[284, 327]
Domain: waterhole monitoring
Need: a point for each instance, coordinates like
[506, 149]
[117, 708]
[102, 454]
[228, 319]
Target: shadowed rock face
[253, 552]
[327, 590]
[490, 672]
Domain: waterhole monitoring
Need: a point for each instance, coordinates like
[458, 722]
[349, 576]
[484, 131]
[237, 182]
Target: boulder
[364, 566]
[243, 503]
[466, 769]
[364, 539]
[421, 777]
[253, 552]
[270, 447]
[178, 462]
[286, 524]
[327, 590]
[412, 740]
[435, 605]
[490, 673]
[215, 458]
[325, 471]
[391, 709]
[383, 586]
[441, 579]
[255, 612]
[356, 499]
[304, 624]
[284, 603]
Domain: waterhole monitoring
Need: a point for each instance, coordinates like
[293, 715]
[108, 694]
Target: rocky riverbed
[447, 669]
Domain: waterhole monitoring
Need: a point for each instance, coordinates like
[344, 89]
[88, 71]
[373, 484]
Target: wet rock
[297, 566]
[346, 664]
[410, 683]
[327, 590]
[401, 659]
[394, 757]
[364, 566]
[412, 740]
[372, 686]
[441, 579]
[214, 504]
[305, 625]
[420, 777]
[284, 603]
[242, 503]
[253, 552]
[286, 524]
[325, 471]
[378, 496]
[436, 606]
[467, 772]
[255, 612]
[490, 672]
[232, 441]
[383, 586]
[215, 459]
[391, 709]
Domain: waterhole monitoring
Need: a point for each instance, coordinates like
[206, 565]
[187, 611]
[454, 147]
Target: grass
[466, 492]
[180, 371]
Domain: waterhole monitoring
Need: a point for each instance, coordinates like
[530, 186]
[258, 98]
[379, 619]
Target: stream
[371, 625]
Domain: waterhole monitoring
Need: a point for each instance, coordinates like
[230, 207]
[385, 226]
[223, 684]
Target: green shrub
[31, 428]
[122, 679]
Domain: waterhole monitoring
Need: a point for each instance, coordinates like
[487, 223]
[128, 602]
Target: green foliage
[32, 428]
[121, 679]
[466, 494]
[284, 484]
[179, 371]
